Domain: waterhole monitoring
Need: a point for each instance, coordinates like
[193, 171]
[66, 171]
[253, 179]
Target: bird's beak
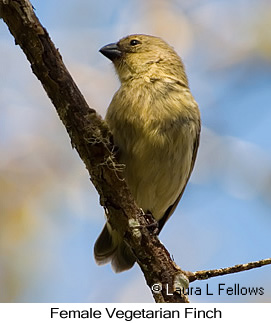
[111, 51]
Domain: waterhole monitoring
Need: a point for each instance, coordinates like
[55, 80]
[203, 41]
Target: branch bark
[91, 138]
[93, 141]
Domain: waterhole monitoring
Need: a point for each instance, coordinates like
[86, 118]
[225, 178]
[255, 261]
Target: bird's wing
[172, 207]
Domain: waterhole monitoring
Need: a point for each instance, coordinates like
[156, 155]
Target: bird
[155, 122]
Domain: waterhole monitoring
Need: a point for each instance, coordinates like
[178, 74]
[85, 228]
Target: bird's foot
[152, 224]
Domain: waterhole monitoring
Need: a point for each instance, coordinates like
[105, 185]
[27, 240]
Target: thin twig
[206, 274]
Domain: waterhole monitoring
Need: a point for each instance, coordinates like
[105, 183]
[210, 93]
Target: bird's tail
[111, 247]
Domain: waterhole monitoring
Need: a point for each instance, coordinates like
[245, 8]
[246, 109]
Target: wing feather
[172, 207]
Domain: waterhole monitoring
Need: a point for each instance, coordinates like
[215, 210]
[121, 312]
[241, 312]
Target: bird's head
[143, 56]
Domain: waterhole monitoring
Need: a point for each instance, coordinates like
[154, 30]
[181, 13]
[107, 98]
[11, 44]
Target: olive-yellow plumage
[155, 123]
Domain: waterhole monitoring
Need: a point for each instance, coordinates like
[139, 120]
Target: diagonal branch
[93, 141]
[91, 138]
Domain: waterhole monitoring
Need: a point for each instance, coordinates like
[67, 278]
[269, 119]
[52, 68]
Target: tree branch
[206, 274]
[94, 143]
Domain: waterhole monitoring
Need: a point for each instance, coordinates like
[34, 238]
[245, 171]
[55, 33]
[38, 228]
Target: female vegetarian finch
[155, 123]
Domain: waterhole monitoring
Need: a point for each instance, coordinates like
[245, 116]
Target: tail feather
[111, 247]
[105, 246]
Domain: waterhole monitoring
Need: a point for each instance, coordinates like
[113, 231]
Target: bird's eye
[134, 42]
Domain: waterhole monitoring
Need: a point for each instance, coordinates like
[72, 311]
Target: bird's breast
[155, 137]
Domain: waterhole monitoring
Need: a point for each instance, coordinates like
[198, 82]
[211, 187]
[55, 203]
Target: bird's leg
[152, 224]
